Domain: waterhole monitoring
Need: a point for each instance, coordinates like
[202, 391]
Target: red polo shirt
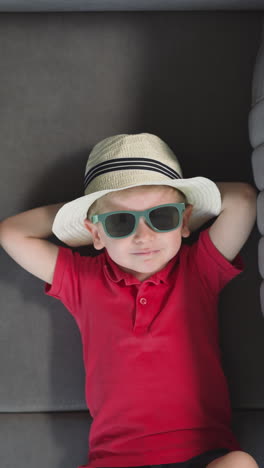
[154, 382]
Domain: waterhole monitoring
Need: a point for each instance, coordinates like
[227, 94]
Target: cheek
[118, 251]
[174, 239]
[118, 247]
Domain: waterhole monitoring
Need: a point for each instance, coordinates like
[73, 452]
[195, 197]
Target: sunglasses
[161, 218]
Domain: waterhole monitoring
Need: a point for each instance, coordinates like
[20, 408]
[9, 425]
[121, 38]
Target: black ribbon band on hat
[128, 164]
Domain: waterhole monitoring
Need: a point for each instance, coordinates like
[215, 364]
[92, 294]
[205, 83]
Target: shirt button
[143, 301]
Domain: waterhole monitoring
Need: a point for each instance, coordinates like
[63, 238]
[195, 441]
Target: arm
[233, 226]
[22, 237]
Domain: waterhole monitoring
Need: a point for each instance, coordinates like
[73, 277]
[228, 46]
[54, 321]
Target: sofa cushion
[70, 80]
[60, 439]
[129, 5]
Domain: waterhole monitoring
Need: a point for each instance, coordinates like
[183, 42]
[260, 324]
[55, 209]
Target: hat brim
[201, 192]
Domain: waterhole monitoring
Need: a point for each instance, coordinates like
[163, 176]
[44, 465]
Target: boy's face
[127, 252]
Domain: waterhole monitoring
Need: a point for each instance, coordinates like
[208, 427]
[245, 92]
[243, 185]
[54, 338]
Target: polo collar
[116, 274]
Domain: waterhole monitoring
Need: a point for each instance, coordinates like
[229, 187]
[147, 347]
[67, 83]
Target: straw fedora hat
[124, 161]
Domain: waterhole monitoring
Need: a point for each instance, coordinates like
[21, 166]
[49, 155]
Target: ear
[185, 221]
[94, 231]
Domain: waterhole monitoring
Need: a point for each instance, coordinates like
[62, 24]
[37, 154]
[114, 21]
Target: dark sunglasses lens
[165, 218]
[120, 224]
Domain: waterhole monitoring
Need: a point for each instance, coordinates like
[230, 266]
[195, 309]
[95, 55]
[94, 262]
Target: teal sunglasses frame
[138, 214]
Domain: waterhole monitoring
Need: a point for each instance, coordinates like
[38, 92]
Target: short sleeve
[66, 281]
[214, 270]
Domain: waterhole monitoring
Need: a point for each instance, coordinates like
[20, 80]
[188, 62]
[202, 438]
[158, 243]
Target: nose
[143, 231]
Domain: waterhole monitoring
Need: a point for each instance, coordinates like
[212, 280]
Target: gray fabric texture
[59, 440]
[66, 82]
[260, 218]
[44, 440]
[256, 135]
[128, 5]
[257, 166]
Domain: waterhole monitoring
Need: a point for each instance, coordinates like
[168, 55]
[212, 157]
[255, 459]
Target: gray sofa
[73, 73]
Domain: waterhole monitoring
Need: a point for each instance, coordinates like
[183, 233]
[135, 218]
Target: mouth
[146, 252]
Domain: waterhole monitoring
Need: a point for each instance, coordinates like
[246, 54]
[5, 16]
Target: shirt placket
[144, 310]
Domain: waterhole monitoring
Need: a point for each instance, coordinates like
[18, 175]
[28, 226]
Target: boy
[146, 306]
